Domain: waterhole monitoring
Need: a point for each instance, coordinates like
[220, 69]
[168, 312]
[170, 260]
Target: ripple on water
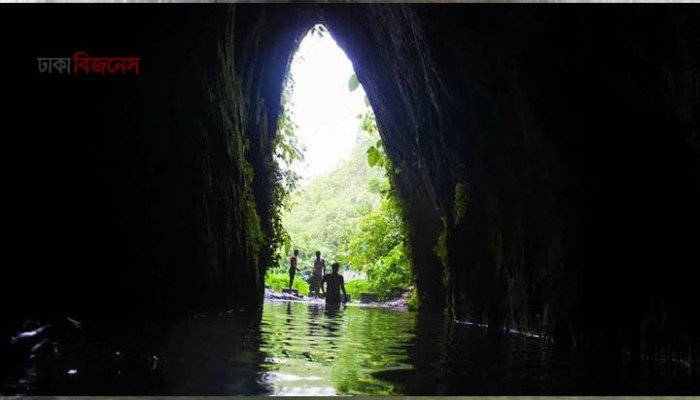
[306, 349]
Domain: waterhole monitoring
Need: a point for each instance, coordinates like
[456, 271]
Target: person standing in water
[318, 273]
[293, 267]
[334, 285]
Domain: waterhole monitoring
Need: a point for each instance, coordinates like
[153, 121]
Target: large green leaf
[353, 83]
[373, 156]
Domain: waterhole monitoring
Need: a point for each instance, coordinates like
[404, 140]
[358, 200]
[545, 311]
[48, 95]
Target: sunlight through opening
[336, 182]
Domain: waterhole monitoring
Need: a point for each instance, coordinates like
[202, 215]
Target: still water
[308, 349]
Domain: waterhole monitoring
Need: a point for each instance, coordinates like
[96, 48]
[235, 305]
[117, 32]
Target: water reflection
[311, 349]
[331, 350]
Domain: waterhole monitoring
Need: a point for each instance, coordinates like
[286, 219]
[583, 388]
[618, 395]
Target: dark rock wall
[135, 195]
[391, 60]
[266, 38]
[559, 146]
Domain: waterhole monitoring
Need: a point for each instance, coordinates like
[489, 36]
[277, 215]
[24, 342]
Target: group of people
[328, 285]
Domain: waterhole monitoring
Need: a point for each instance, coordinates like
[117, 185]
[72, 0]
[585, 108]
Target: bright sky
[324, 110]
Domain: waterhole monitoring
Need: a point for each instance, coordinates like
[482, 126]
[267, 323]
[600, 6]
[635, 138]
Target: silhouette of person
[318, 273]
[293, 267]
[334, 284]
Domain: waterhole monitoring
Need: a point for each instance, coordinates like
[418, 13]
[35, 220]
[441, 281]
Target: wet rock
[293, 292]
[280, 296]
[368, 298]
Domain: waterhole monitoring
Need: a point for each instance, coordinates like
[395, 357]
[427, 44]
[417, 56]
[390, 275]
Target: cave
[549, 161]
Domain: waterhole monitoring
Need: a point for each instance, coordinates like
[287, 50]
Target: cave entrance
[334, 187]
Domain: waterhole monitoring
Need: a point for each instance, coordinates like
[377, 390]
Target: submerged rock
[282, 296]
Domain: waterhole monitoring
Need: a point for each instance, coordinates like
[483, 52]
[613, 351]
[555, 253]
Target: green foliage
[441, 248]
[461, 199]
[254, 227]
[356, 286]
[413, 301]
[322, 210]
[353, 83]
[280, 280]
[237, 148]
[368, 124]
[284, 180]
[377, 245]
[351, 214]
[390, 274]
[375, 155]
[374, 236]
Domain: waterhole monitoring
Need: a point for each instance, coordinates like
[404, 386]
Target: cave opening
[334, 193]
[560, 192]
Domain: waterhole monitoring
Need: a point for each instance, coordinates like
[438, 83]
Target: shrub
[412, 301]
[355, 287]
[280, 280]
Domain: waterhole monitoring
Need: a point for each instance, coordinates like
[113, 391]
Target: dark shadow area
[311, 349]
